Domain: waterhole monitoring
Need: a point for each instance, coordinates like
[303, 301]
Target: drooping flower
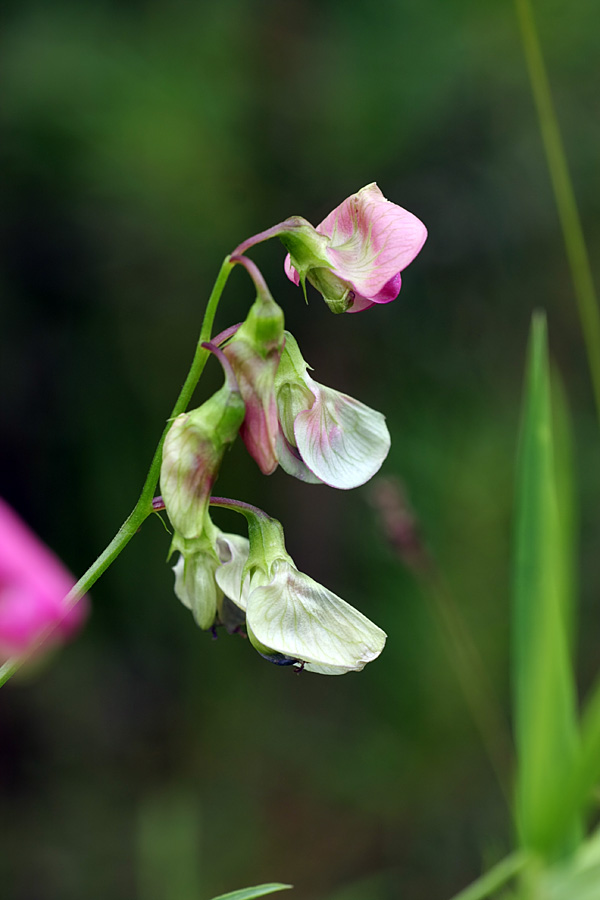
[254, 352]
[290, 618]
[192, 453]
[195, 570]
[33, 588]
[325, 436]
[355, 256]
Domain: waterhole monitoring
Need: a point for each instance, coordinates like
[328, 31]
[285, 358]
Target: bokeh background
[141, 141]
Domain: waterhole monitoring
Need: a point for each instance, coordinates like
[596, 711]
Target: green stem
[143, 507]
[568, 213]
[470, 672]
[495, 878]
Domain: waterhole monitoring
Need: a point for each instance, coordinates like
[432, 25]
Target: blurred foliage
[141, 141]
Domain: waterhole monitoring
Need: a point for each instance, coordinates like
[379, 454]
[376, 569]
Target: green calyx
[307, 248]
[267, 543]
[263, 328]
[337, 294]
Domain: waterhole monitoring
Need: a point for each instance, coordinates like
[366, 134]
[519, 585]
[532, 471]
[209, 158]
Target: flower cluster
[285, 418]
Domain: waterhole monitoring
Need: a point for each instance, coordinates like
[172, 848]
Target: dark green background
[141, 141]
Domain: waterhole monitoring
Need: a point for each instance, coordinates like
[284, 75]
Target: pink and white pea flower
[355, 256]
[325, 436]
[33, 587]
[291, 619]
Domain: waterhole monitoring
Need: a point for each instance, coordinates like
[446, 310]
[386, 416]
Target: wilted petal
[342, 441]
[296, 617]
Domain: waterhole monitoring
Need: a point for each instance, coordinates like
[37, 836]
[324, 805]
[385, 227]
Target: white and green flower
[290, 618]
[324, 435]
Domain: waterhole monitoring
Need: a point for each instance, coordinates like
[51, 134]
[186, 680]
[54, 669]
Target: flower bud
[195, 570]
[192, 454]
[254, 354]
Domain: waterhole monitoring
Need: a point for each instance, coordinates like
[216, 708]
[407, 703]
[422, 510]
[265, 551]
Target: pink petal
[373, 240]
[33, 585]
[290, 271]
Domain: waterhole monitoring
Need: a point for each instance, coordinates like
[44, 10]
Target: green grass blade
[496, 878]
[249, 893]
[585, 781]
[579, 262]
[543, 684]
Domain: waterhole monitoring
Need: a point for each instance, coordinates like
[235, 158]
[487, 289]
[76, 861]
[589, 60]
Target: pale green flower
[290, 618]
[195, 583]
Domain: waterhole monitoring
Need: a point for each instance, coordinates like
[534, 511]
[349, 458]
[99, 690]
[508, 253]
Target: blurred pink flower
[371, 240]
[33, 586]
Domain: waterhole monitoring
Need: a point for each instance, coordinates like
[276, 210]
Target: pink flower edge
[33, 587]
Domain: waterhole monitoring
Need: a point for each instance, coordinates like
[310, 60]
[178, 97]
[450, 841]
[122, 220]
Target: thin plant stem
[143, 507]
[402, 530]
[564, 194]
[470, 673]
[495, 878]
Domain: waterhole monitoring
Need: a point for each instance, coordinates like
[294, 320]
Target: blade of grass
[564, 194]
[249, 893]
[496, 878]
[543, 683]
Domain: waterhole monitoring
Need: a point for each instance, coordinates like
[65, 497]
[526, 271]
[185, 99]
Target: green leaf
[249, 893]
[543, 683]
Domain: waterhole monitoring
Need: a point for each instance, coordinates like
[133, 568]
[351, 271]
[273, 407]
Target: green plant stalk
[564, 194]
[471, 675]
[143, 507]
[495, 878]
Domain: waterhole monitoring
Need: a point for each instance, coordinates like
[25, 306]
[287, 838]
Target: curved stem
[255, 274]
[143, 507]
[238, 506]
[266, 235]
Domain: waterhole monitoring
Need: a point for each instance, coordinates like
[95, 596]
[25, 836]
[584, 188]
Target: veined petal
[300, 619]
[342, 441]
[372, 240]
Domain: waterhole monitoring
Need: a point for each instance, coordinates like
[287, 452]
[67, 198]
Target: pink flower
[33, 587]
[369, 241]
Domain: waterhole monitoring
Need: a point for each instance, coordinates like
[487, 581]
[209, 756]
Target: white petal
[290, 462]
[233, 551]
[299, 618]
[342, 441]
[195, 586]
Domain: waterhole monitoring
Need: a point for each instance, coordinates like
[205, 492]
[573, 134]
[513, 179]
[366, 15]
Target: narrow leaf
[249, 893]
[543, 683]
